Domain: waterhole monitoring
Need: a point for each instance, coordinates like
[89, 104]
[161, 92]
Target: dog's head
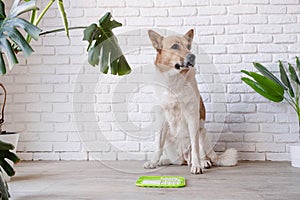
[173, 52]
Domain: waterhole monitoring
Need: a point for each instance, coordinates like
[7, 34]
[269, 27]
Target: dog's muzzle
[189, 61]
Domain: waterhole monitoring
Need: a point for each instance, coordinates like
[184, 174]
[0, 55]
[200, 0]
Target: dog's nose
[190, 59]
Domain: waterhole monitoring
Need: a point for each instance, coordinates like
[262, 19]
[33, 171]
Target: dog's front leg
[160, 145]
[194, 136]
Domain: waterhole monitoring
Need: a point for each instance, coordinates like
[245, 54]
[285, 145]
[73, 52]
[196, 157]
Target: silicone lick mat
[161, 181]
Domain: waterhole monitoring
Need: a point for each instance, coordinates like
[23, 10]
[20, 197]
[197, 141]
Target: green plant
[270, 87]
[11, 38]
[5, 153]
[101, 38]
[103, 48]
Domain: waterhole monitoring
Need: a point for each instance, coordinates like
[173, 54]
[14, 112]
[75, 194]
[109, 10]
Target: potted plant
[8, 137]
[287, 88]
[103, 50]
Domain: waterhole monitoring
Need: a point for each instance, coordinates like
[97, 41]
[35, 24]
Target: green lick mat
[161, 181]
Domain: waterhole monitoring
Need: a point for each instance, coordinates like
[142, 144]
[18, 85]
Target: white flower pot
[13, 139]
[295, 155]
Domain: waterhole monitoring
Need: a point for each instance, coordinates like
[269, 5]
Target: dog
[182, 137]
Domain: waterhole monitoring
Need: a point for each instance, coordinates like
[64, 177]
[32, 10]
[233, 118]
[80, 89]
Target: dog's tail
[228, 158]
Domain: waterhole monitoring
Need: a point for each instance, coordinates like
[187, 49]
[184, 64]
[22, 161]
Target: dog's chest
[174, 114]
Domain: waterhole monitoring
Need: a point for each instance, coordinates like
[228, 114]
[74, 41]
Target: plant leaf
[297, 63]
[92, 32]
[5, 47]
[94, 54]
[60, 5]
[294, 76]
[256, 87]
[17, 37]
[6, 154]
[104, 65]
[3, 188]
[2, 65]
[262, 69]
[284, 78]
[2, 10]
[124, 67]
[267, 84]
[11, 39]
[11, 156]
[18, 9]
[4, 146]
[6, 167]
[32, 30]
[103, 48]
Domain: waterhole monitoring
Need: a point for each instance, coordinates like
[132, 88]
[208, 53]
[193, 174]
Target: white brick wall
[65, 109]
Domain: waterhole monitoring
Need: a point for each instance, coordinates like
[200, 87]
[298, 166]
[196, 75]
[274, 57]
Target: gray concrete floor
[116, 180]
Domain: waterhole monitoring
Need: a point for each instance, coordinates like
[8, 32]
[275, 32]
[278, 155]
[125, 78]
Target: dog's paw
[150, 165]
[205, 164]
[196, 170]
[163, 162]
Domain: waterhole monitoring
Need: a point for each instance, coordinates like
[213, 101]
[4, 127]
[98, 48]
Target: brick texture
[65, 109]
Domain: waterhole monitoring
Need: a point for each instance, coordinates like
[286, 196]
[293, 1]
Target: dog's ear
[189, 35]
[156, 39]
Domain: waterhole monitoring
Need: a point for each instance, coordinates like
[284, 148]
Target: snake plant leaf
[266, 83]
[61, 8]
[256, 87]
[103, 48]
[285, 79]
[11, 39]
[262, 69]
[297, 63]
[293, 73]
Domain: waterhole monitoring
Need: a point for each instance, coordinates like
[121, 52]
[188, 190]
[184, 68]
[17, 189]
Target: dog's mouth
[189, 61]
[184, 65]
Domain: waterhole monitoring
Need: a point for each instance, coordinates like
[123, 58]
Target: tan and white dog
[182, 138]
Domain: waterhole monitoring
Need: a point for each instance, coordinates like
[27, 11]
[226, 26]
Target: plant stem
[299, 127]
[62, 29]
[37, 21]
[32, 19]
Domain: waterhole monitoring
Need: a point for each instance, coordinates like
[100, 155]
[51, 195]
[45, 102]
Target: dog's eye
[175, 46]
[189, 47]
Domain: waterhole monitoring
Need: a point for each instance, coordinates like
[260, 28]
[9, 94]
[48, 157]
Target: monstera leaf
[103, 48]
[5, 153]
[11, 40]
[4, 195]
